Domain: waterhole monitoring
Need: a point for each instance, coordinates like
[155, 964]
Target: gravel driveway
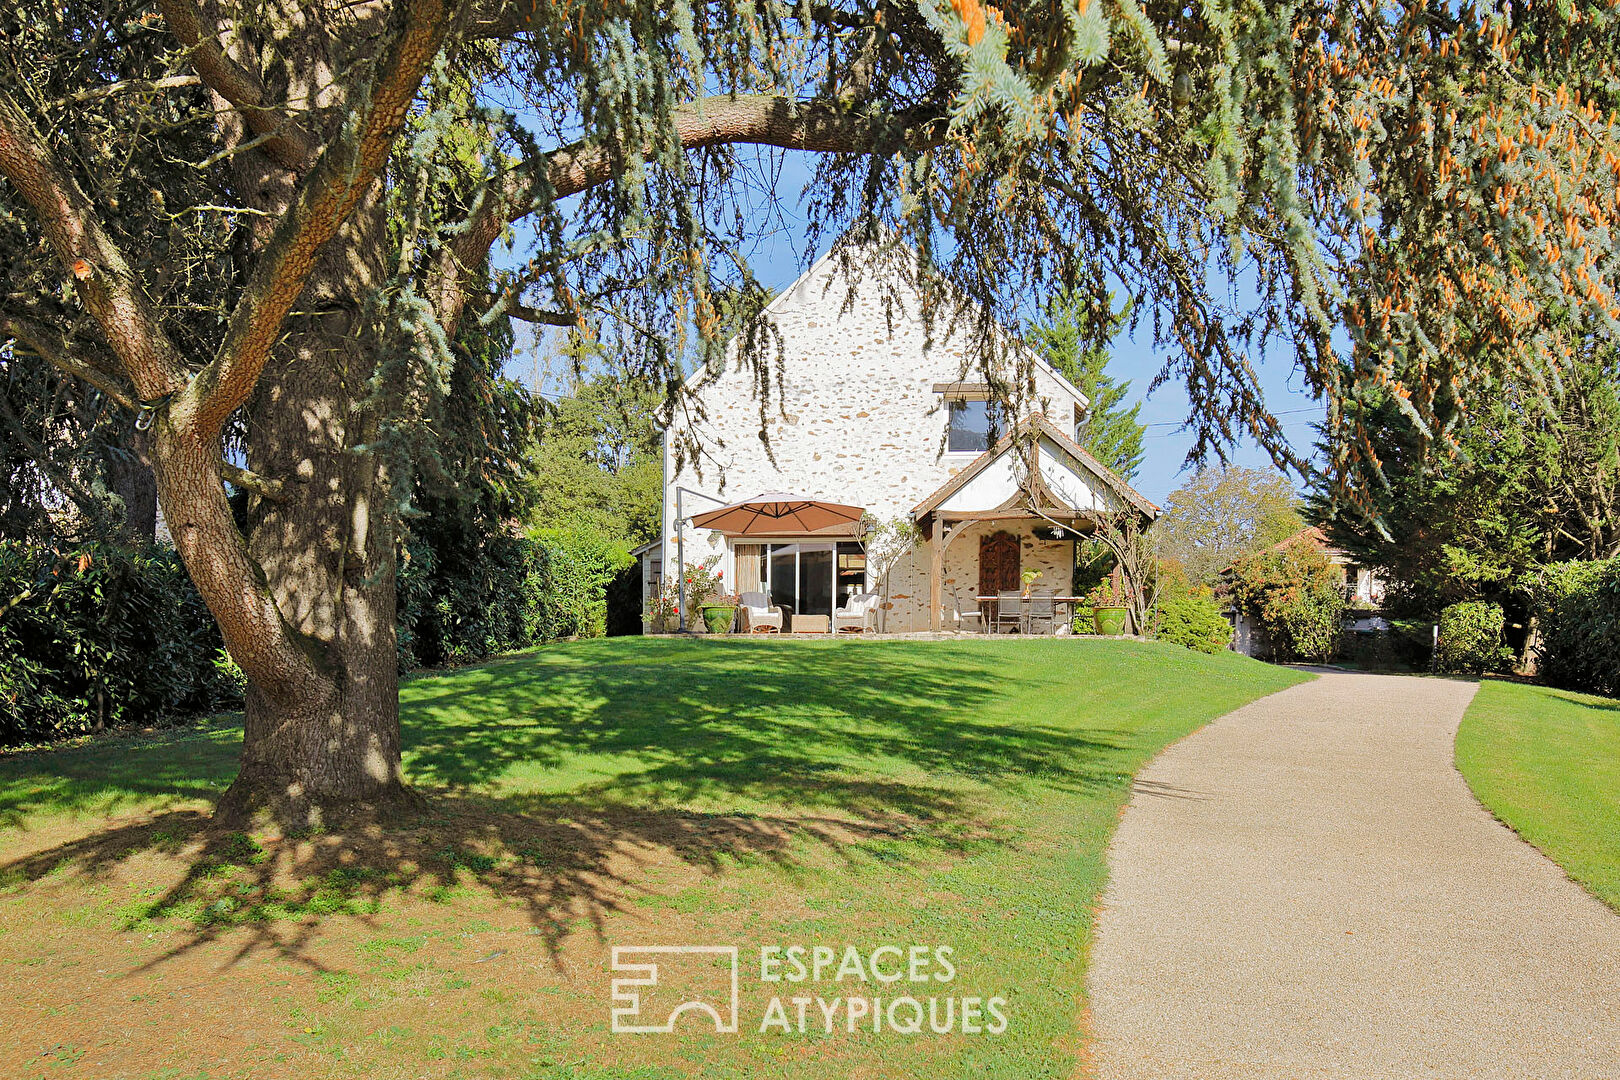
[1306, 888]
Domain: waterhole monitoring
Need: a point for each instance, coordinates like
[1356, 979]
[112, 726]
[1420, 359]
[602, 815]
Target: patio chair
[1041, 618]
[853, 616]
[1009, 610]
[758, 616]
[969, 618]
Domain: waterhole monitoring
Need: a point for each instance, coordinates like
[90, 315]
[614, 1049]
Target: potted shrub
[703, 581]
[719, 611]
[1108, 608]
[1030, 578]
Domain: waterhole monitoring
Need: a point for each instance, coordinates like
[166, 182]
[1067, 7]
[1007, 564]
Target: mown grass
[1547, 763]
[867, 793]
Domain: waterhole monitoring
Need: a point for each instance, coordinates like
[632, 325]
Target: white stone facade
[857, 418]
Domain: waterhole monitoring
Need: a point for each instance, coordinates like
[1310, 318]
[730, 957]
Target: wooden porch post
[936, 573]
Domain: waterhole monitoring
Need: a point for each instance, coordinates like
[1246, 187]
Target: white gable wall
[854, 419]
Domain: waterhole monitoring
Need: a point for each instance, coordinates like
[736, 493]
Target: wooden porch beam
[936, 576]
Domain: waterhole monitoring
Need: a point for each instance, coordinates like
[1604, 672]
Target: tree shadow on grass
[557, 780]
[567, 866]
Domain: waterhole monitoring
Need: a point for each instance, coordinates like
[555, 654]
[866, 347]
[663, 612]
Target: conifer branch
[102, 276]
[752, 119]
[346, 171]
[284, 139]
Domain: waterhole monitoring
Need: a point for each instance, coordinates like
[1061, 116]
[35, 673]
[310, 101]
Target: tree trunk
[327, 548]
[130, 477]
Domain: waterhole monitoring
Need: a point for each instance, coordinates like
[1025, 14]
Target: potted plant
[1109, 606]
[718, 612]
[702, 582]
[1030, 578]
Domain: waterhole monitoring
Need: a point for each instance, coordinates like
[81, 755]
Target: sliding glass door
[811, 578]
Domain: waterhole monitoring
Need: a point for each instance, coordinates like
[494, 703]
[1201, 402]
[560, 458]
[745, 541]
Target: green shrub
[572, 569]
[503, 592]
[1190, 616]
[1295, 595]
[1577, 610]
[1471, 639]
[101, 636]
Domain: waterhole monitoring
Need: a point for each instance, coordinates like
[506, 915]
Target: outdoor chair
[758, 616]
[852, 617]
[1009, 610]
[1041, 617]
[967, 618]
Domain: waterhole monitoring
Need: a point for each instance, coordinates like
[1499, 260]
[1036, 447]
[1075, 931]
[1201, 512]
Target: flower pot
[652, 624]
[718, 618]
[1109, 621]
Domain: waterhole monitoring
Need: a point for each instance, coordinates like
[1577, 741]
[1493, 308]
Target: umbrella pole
[680, 560]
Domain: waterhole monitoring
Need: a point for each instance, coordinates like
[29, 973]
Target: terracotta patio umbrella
[777, 513]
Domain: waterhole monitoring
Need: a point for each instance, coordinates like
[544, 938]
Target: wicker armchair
[757, 614]
[857, 611]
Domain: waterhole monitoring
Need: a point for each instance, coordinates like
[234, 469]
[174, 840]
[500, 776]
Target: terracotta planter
[1109, 621]
[718, 618]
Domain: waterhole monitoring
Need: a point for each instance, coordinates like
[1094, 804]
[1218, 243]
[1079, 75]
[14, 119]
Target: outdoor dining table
[1057, 601]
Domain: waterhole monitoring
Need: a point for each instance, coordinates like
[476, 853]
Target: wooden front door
[999, 555]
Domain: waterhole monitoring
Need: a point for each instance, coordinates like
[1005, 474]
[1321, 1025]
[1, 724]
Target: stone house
[866, 410]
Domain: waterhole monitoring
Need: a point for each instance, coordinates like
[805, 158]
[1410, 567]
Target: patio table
[1059, 601]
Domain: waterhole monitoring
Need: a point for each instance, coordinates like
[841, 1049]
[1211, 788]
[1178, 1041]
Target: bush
[1295, 595]
[1471, 639]
[101, 636]
[1577, 609]
[503, 592]
[572, 569]
[1189, 616]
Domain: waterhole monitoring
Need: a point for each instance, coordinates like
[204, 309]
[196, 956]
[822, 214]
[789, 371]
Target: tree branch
[542, 318]
[755, 119]
[105, 283]
[262, 486]
[346, 171]
[284, 139]
[50, 345]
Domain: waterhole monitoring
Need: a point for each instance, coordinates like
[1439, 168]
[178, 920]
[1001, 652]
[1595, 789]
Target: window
[813, 578]
[972, 426]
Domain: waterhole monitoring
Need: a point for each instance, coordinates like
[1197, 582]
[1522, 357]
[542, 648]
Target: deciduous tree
[1222, 514]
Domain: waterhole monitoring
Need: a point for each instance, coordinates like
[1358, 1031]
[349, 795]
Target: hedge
[1471, 639]
[1577, 609]
[101, 636]
[1189, 615]
[513, 592]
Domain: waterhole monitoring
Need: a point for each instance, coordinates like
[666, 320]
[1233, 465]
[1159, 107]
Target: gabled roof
[1046, 429]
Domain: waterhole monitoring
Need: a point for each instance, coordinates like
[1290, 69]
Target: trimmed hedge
[1577, 608]
[512, 592]
[1189, 615]
[1471, 639]
[101, 636]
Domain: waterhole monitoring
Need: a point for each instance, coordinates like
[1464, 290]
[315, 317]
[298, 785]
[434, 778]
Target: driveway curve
[1306, 888]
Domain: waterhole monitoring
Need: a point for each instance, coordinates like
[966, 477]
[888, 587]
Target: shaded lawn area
[589, 795]
[1547, 763]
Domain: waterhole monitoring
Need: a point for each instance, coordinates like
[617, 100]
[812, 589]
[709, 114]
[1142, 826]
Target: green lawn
[1547, 762]
[598, 794]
